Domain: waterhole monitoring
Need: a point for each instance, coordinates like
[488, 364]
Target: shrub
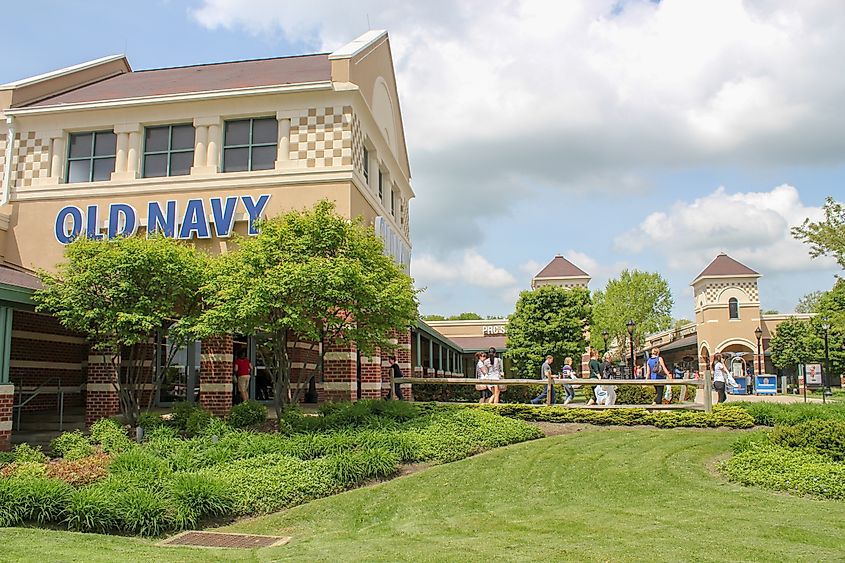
[139, 467]
[772, 414]
[141, 512]
[785, 469]
[24, 453]
[110, 435]
[24, 469]
[91, 509]
[353, 467]
[71, 446]
[826, 437]
[150, 420]
[182, 411]
[247, 414]
[43, 500]
[10, 506]
[197, 421]
[749, 440]
[197, 496]
[79, 472]
[6, 458]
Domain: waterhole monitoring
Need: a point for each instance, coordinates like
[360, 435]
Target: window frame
[250, 145]
[366, 157]
[393, 202]
[91, 158]
[380, 186]
[169, 151]
[733, 305]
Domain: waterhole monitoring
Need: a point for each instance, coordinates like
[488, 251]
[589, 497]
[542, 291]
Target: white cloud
[471, 269]
[752, 227]
[531, 267]
[506, 98]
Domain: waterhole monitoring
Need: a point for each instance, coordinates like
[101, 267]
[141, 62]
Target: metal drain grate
[220, 539]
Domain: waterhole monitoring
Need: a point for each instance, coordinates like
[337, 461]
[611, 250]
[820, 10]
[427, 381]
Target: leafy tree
[771, 312]
[809, 302]
[434, 318]
[119, 293]
[793, 343]
[643, 297]
[831, 305]
[680, 323]
[548, 320]
[466, 317]
[827, 237]
[313, 274]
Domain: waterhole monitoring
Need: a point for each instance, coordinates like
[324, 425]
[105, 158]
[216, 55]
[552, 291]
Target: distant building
[562, 273]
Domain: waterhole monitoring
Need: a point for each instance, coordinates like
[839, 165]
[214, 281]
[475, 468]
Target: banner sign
[813, 375]
[199, 219]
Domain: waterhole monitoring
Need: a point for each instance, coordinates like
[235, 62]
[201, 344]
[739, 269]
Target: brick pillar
[101, 396]
[403, 358]
[304, 357]
[340, 368]
[7, 398]
[371, 375]
[216, 374]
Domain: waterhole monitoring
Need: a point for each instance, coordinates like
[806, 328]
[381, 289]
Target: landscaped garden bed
[195, 467]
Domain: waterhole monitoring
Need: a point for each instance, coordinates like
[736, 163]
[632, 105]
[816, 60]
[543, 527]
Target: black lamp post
[604, 335]
[758, 332]
[631, 324]
[826, 376]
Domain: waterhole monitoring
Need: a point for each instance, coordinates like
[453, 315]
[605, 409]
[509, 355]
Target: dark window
[366, 164]
[733, 308]
[393, 202]
[91, 156]
[380, 185]
[168, 150]
[250, 144]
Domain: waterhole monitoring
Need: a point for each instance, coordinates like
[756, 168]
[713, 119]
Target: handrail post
[708, 392]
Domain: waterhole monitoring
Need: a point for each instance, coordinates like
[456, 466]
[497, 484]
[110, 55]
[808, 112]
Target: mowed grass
[603, 494]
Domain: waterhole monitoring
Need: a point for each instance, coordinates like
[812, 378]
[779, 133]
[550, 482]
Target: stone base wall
[7, 397]
[216, 374]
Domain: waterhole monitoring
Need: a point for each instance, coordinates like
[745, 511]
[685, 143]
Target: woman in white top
[721, 378]
[482, 368]
[495, 371]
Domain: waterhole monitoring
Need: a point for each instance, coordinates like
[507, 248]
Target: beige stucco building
[197, 152]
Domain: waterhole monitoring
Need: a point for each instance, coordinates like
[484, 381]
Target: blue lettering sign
[194, 221]
[165, 223]
[122, 220]
[224, 217]
[66, 233]
[92, 226]
[254, 210]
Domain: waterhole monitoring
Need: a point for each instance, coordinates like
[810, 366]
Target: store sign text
[493, 330]
[198, 220]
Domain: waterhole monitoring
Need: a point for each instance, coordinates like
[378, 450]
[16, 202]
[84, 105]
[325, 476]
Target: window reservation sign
[200, 219]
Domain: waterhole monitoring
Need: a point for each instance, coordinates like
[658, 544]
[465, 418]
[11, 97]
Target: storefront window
[180, 381]
[733, 308]
[250, 144]
[91, 156]
[168, 150]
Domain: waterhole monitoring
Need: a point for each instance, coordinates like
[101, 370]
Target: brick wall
[216, 374]
[403, 357]
[304, 357]
[6, 399]
[371, 375]
[340, 368]
[101, 397]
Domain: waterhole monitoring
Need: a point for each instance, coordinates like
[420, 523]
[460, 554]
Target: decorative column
[216, 374]
[128, 151]
[403, 358]
[57, 154]
[418, 369]
[304, 357]
[340, 368]
[101, 396]
[7, 390]
[206, 145]
[283, 147]
[371, 374]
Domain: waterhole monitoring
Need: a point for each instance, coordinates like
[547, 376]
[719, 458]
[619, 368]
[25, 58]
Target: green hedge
[771, 414]
[625, 394]
[825, 437]
[722, 415]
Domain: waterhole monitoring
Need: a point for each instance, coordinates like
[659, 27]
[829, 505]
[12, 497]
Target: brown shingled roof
[200, 78]
[724, 265]
[560, 267]
[18, 278]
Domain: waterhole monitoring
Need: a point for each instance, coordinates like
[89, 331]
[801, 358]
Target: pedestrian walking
[481, 370]
[568, 373]
[608, 371]
[721, 378]
[495, 372]
[395, 373]
[657, 370]
[595, 373]
[545, 372]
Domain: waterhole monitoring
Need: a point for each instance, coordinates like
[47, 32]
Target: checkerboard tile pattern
[357, 145]
[322, 137]
[713, 290]
[32, 156]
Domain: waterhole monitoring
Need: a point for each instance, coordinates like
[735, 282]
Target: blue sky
[633, 134]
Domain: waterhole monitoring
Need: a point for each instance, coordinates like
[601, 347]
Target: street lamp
[826, 380]
[631, 324]
[604, 335]
[758, 332]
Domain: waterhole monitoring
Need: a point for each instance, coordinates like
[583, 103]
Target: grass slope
[590, 496]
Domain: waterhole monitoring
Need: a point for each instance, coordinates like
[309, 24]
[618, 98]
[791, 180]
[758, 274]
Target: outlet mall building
[199, 152]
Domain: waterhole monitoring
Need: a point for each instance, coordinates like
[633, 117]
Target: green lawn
[590, 496]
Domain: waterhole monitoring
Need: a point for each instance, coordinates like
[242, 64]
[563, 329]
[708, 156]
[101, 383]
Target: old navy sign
[197, 220]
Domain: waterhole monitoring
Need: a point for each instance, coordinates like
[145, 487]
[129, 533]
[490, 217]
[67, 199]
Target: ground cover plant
[771, 414]
[625, 395]
[195, 467]
[806, 458]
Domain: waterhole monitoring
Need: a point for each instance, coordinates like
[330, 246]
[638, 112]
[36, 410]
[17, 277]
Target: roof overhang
[725, 277]
[61, 72]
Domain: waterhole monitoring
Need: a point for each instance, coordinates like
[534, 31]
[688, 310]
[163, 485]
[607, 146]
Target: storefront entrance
[181, 380]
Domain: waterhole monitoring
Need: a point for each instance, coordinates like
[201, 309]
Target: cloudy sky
[618, 133]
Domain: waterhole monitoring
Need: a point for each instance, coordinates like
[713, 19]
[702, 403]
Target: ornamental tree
[643, 297]
[548, 320]
[793, 343]
[826, 237]
[119, 293]
[313, 274]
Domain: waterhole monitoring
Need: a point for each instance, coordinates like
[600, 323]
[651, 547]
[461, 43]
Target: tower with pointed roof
[562, 273]
[727, 308]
